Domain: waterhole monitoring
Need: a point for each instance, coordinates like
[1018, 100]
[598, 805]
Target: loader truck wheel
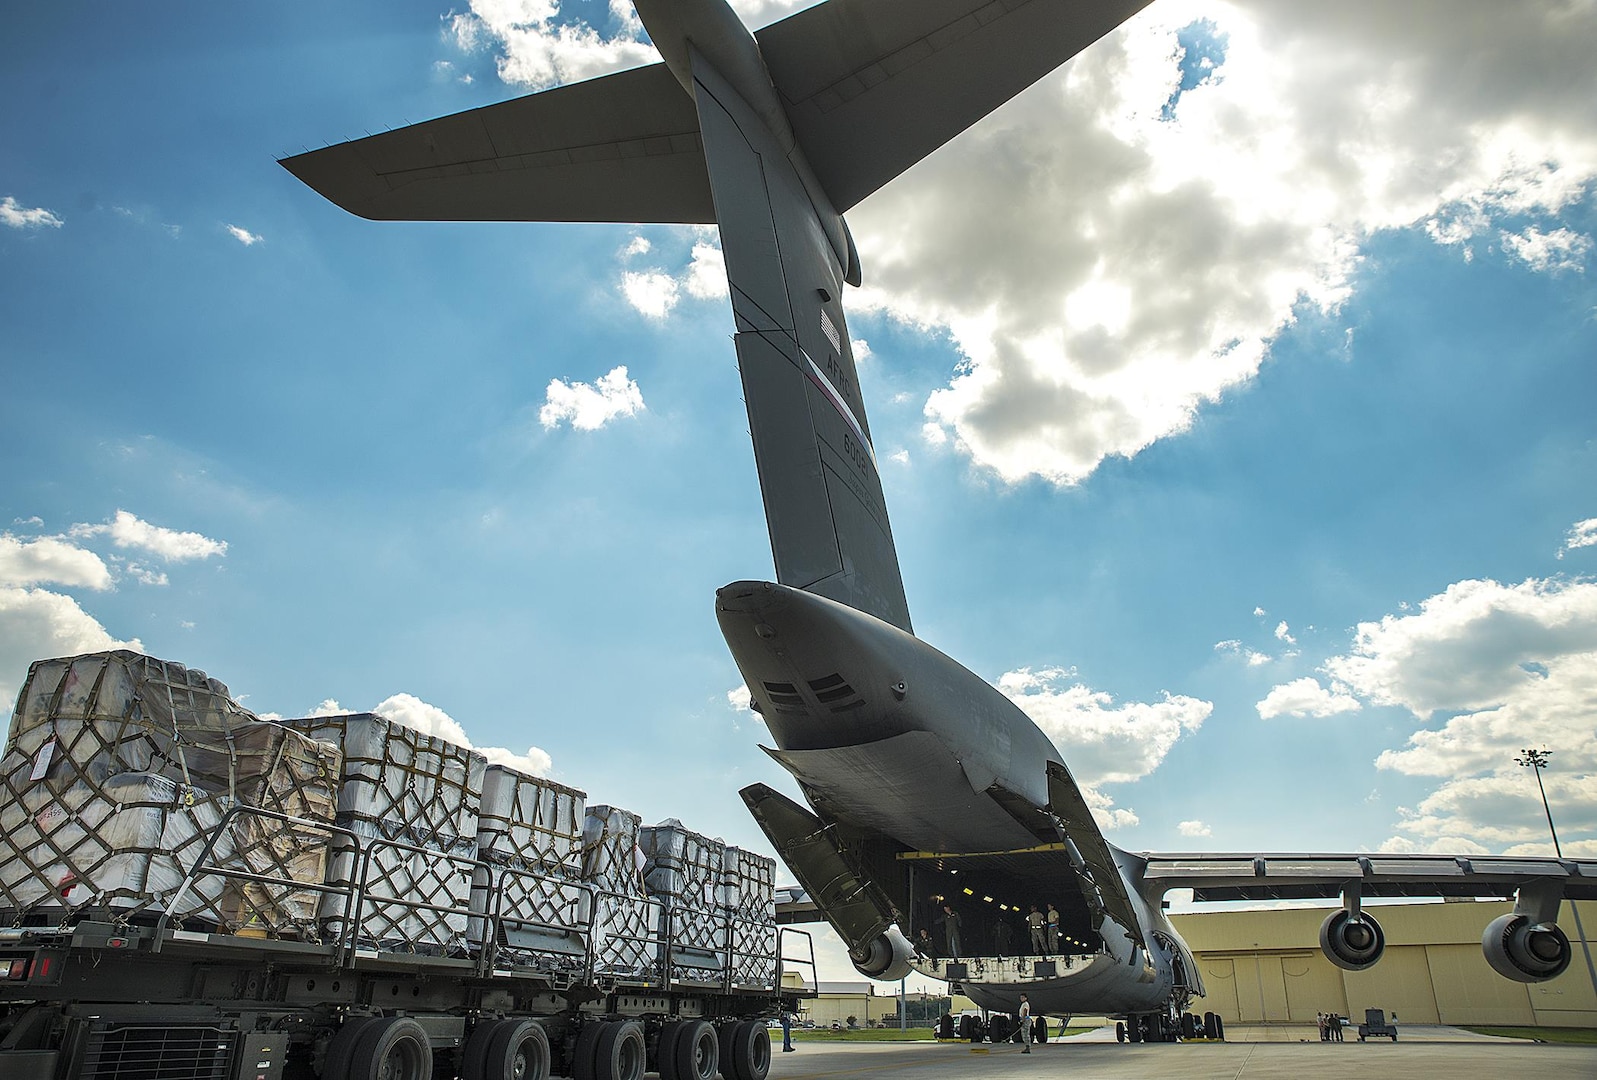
[474, 1055]
[622, 1053]
[665, 1052]
[392, 1048]
[587, 1050]
[519, 1051]
[341, 1049]
[745, 1051]
[697, 1052]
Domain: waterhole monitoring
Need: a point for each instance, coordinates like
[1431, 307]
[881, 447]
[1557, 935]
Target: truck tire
[587, 1049]
[622, 1053]
[392, 1048]
[665, 1052]
[696, 1054]
[519, 1051]
[1120, 1031]
[475, 1053]
[745, 1051]
[341, 1048]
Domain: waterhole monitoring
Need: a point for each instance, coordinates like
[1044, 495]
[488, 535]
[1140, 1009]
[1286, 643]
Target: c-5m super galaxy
[925, 784]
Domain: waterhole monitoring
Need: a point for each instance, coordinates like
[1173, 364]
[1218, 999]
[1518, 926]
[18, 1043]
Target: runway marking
[1243, 1067]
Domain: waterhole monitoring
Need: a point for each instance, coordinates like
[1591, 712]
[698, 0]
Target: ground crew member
[1025, 1021]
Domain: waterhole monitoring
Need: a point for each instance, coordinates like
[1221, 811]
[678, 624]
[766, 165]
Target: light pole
[1537, 760]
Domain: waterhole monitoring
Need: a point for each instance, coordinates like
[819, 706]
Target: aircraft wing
[873, 86]
[1295, 877]
[623, 147]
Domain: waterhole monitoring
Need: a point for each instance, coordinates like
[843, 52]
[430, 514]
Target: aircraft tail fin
[818, 475]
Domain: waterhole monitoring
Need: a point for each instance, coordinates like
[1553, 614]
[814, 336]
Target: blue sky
[1237, 417]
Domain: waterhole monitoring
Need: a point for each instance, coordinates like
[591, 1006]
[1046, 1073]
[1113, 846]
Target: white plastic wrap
[529, 821]
[611, 860]
[118, 768]
[402, 789]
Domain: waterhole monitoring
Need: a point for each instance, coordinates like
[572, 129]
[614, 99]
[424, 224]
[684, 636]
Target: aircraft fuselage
[892, 737]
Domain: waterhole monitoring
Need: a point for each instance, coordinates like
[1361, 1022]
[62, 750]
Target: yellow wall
[1266, 966]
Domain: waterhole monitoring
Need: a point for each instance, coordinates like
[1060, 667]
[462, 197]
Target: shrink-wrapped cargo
[748, 894]
[529, 821]
[611, 860]
[529, 834]
[748, 882]
[412, 801]
[683, 869]
[626, 942]
[118, 769]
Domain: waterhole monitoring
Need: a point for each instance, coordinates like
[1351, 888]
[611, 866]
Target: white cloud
[1259, 613]
[128, 531]
[1199, 235]
[1581, 534]
[411, 711]
[706, 274]
[1234, 646]
[1305, 697]
[653, 292]
[538, 46]
[638, 245]
[50, 559]
[1470, 646]
[899, 456]
[1193, 828]
[861, 350]
[244, 236]
[1558, 250]
[37, 623]
[328, 707]
[1103, 743]
[1284, 633]
[17, 216]
[1509, 667]
[738, 698]
[589, 406]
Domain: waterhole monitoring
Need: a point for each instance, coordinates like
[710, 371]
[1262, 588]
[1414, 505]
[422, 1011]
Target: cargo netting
[118, 769]
[412, 801]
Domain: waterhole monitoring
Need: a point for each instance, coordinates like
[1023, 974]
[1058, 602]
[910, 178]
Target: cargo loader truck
[191, 892]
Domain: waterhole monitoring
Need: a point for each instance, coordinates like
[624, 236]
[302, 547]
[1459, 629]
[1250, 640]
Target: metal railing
[498, 898]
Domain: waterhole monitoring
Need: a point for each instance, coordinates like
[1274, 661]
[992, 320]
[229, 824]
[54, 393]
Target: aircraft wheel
[1134, 1029]
[393, 1048]
[1219, 1027]
[519, 1051]
[665, 1051]
[621, 1053]
[1208, 1025]
[696, 1053]
[1120, 1031]
[1189, 1026]
[587, 1050]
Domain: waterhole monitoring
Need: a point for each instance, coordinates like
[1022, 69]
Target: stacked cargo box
[683, 870]
[118, 769]
[625, 919]
[529, 836]
[412, 800]
[748, 895]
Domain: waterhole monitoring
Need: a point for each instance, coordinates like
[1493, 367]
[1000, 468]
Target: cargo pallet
[103, 997]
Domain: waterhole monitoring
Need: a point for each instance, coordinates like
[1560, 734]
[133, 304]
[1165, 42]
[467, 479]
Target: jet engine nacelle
[1525, 951]
[1352, 942]
[887, 958]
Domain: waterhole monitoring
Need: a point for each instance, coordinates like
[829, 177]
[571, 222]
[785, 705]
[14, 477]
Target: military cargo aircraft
[926, 786]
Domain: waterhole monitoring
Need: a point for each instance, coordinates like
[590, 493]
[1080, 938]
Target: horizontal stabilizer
[873, 86]
[622, 148]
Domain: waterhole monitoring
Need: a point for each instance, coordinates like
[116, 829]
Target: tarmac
[1273, 1052]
